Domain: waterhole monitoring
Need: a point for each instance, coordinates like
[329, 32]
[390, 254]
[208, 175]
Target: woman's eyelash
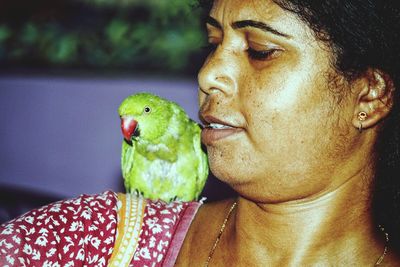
[253, 54]
[260, 55]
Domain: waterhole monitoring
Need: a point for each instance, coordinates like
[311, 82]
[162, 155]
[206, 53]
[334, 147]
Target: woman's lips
[211, 135]
[216, 129]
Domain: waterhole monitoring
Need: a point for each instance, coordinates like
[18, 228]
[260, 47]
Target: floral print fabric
[83, 232]
[160, 240]
[76, 232]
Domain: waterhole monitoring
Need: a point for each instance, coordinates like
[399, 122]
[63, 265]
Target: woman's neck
[332, 228]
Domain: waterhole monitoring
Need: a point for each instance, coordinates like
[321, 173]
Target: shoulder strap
[130, 217]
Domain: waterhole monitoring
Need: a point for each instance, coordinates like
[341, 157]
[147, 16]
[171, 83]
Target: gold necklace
[379, 261]
[221, 230]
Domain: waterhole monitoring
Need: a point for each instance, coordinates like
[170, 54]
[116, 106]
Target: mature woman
[301, 111]
[306, 92]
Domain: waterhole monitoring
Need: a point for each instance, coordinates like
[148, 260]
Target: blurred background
[65, 66]
[109, 35]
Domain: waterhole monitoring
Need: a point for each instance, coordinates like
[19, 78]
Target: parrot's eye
[147, 110]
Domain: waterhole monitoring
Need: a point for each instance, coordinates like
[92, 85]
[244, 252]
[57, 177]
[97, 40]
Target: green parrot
[161, 152]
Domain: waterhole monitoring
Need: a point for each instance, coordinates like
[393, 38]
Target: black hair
[364, 34]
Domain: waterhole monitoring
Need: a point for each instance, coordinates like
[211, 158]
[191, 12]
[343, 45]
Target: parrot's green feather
[166, 160]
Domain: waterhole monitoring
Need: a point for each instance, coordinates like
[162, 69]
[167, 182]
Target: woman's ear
[375, 98]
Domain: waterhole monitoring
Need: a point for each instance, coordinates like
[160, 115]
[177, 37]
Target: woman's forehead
[227, 12]
[249, 9]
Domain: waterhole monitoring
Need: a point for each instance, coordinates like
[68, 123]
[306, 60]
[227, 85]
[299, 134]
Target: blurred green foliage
[162, 36]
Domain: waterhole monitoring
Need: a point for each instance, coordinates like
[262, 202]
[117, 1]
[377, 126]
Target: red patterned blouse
[101, 230]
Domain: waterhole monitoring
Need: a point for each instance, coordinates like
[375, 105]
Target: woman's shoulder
[151, 233]
[103, 229]
[59, 230]
[97, 208]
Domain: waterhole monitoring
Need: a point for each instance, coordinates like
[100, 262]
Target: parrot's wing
[127, 156]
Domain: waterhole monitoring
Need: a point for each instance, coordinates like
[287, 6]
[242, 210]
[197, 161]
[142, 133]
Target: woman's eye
[263, 54]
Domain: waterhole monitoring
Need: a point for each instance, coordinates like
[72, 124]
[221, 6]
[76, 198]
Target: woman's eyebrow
[247, 23]
[213, 22]
[259, 25]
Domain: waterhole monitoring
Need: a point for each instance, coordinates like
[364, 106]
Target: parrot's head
[144, 116]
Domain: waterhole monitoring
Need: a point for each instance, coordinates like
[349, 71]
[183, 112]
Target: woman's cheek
[201, 97]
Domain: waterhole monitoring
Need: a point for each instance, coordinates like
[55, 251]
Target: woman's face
[277, 130]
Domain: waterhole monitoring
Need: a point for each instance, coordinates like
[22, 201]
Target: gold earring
[362, 116]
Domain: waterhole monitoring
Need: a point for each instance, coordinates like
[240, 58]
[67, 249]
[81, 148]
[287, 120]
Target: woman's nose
[219, 72]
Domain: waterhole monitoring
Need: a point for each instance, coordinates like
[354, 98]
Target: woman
[306, 93]
[301, 115]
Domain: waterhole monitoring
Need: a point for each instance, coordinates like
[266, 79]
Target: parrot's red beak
[129, 127]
